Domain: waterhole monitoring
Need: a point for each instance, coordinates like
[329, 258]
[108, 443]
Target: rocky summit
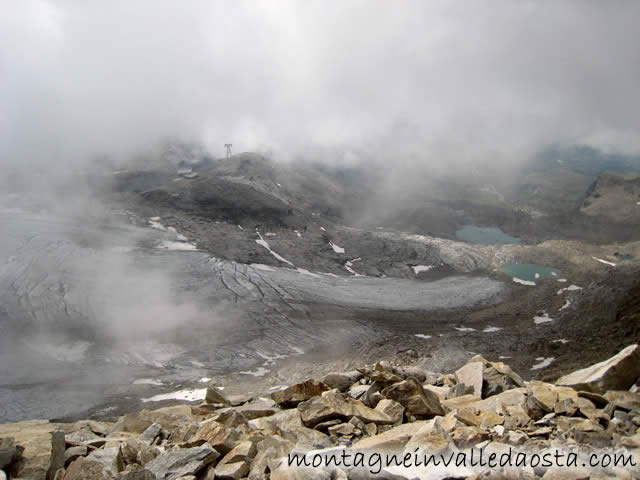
[382, 411]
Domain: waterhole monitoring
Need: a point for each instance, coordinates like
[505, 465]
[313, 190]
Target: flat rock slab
[181, 462]
[616, 373]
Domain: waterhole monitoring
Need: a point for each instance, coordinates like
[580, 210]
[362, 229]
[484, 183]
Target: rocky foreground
[373, 410]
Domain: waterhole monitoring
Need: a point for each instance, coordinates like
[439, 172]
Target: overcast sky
[435, 81]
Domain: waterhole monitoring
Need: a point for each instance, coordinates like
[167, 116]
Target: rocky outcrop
[404, 411]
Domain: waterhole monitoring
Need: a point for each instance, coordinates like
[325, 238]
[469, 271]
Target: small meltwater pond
[484, 235]
[529, 272]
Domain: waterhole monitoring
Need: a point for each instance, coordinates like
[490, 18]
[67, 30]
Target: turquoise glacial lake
[484, 235]
[530, 271]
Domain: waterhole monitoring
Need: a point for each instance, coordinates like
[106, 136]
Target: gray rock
[110, 459]
[9, 452]
[472, 375]
[358, 391]
[414, 398]
[72, 453]
[341, 381]
[180, 462]
[143, 474]
[151, 433]
[393, 409]
[84, 469]
[232, 471]
[595, 439]
[216, 435]
[57, 453]
[85, 436]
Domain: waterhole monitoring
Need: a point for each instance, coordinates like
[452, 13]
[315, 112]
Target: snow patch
[491, 329]
[307, 272]
[560, 340]
[544, 318]
[176, 246]
[147, 381]
[188, 394]
[465, 329]
[322, 228]
[259, 372]
[543, 363]
[604, 261]
[262, 266]
[562, 280]
[570, 288]
[422, 335]
[298, 233]
[348, 268]
[262, 242]
[157, 225]
[204, 380]
[422, 268]
[524, 282]
[336, 248]
[567, 304]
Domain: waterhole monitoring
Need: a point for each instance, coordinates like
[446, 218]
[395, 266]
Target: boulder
[358, 392]
[333, 405]
[269, 452]
[72, 453]
[466, 437]
[472, 375]
[617, 373]
[541, 399]
[216, 435]
[85, 436]
[259, 408]
[179, 462]
[284, 420]
[622, 400]
[341, 381]
[85, 469]
[231, 418]
[498, 377]
[393, 409]
[110, 459]
[231, 471]
[381, 374]
[243, 451]
[131, 422]
[395, 438]
[151, 433]
[142, 474]
[306, 438]
[416, 400]
[300, 392]
[10, 453]
[214, 395]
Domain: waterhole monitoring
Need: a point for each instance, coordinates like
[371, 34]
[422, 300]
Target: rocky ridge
[483, 405]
